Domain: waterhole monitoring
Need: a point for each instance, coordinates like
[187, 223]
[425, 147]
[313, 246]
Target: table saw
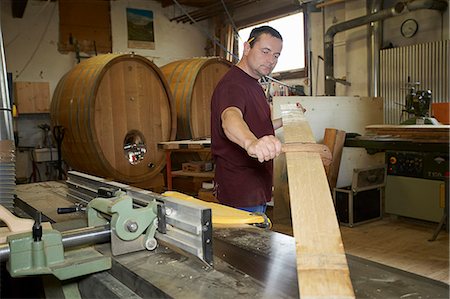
[247, 261]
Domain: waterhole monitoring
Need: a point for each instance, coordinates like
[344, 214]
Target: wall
[332, 112]
[30, 45]
[352, 47]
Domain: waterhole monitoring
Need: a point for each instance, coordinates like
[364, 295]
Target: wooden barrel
[115, 108]
[192, 82]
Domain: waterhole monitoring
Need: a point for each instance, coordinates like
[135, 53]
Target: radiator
[427, 63]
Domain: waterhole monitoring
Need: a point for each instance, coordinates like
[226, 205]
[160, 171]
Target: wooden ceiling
[205, 9]
[193, 3]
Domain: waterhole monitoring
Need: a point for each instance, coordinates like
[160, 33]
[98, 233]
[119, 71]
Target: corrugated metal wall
[426, 63]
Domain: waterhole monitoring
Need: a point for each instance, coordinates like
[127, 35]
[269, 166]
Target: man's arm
[237, 130]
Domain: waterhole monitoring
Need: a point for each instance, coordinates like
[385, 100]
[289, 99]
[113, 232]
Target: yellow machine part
[223, 215]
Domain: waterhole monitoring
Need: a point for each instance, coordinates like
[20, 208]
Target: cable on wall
[38, 43]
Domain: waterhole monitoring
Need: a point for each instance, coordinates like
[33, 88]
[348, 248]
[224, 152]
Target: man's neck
[242, 64]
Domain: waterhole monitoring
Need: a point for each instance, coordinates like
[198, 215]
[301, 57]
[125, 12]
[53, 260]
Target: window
[291, 29]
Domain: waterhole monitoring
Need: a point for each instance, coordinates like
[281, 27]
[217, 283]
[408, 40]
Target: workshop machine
[129, 218]
[418, 105]
[150, 245]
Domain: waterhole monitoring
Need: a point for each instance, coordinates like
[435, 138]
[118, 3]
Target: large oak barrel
[115, 108]
[192, 82]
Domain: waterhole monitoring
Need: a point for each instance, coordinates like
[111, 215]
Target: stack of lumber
[417, 132]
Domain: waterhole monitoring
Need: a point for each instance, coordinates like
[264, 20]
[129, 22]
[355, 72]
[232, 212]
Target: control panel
[418, 164]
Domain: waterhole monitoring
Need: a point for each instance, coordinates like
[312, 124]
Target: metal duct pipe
[330, 84]
[7, 146]
[397, 9]
[427, 4]
[374, 53]
[6, 124]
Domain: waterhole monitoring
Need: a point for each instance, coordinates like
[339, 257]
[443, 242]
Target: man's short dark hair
[256, 32]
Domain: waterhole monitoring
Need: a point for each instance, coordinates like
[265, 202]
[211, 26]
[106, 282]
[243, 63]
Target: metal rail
[73, 238]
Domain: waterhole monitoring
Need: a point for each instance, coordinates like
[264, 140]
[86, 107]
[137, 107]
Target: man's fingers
[265, 148]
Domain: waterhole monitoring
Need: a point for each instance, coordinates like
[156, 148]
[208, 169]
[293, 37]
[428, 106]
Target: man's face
[263, 57]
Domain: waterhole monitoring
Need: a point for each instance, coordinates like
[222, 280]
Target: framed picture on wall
[141, 34]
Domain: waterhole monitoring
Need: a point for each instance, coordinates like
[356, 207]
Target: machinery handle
[66, 210]
[70, 210]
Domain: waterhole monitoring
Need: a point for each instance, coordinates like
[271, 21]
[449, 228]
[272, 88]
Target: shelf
[45, 154]
[198, 145]
[206, 174]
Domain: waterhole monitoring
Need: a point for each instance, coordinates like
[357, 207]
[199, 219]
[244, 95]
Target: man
[242, 130]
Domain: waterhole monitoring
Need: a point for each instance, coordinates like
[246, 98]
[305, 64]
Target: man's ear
[246, 48]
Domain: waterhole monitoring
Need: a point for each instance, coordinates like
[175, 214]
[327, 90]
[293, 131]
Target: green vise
[46, 255]
[131, 229]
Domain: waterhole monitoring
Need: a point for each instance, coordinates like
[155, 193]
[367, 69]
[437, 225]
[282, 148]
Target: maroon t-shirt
[240, 180]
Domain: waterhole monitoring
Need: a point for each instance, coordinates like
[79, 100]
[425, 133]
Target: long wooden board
[321, 263]
[435, 132]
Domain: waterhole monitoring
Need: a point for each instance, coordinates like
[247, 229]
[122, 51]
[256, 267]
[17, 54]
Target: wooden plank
[32, 97]
[321, 263]
[411, 131]
[334, 139]
[185, 144]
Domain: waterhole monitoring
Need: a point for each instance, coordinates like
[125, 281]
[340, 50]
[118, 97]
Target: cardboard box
[197, 166]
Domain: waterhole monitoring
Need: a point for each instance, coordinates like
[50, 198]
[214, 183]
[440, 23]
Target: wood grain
[192, 82]
[321, 263]
[32, 97]
[434, 132]
[102, 100]
[334, 139]
[321, 149]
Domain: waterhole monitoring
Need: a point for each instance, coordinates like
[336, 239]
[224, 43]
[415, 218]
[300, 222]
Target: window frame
[277, 14]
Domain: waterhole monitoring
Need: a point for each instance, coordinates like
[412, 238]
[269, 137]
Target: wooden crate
[197, 166]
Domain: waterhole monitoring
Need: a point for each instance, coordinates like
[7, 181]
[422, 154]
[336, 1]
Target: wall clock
[409, 28]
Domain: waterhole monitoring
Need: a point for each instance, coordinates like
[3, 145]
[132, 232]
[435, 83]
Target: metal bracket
[132, 229]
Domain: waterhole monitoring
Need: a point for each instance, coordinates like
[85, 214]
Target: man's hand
[264, 149]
